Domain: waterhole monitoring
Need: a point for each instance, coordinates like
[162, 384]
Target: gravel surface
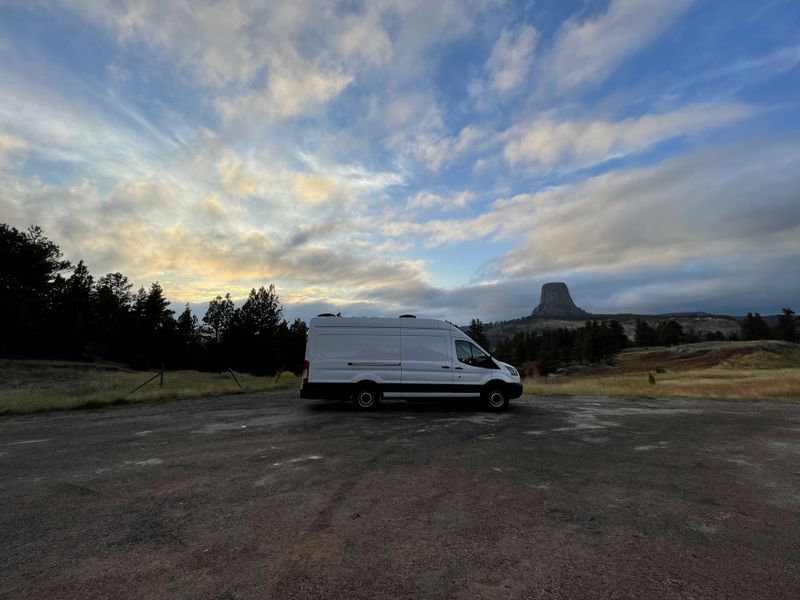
[270, 496]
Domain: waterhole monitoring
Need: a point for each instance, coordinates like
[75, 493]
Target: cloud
[587, 52]
[428, 200]
[310, 189]
[10, 145]
[307, 233]
[212, 208]
[237, 178]
[290, 91]
[511, 58]
[134, 199]
[363, 37]
[695, 207]
[287, 59]
[78, 128]
[214, 39]
[545, 143]
[437, 152]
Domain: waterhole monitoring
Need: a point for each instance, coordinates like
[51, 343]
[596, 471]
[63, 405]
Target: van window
[425, 348]
[358, 347]
[468, 353]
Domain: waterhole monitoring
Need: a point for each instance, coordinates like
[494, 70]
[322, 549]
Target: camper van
[367, 359]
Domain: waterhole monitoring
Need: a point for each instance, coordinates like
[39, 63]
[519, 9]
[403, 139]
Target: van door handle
[445, 367]
[459, 368]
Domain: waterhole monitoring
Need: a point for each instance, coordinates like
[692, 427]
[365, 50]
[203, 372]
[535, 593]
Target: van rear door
[427, 363]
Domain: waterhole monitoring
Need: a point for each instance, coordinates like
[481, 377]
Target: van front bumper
[514, 390]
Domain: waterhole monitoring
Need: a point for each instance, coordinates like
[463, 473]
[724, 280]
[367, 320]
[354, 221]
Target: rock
[556, 303]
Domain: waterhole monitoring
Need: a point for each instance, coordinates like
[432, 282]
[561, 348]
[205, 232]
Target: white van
[366, 359]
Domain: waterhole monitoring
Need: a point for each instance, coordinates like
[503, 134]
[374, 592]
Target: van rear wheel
[366, 397]
[496, 399]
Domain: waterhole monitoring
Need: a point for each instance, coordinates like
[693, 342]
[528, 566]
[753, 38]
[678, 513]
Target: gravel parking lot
[270, 496]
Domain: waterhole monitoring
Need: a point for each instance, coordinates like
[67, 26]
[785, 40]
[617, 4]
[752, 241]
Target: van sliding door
[427, 363]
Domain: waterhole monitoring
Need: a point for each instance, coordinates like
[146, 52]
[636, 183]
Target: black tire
[496, 399]
[366, 397]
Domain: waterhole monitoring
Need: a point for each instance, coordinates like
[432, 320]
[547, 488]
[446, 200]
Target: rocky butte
[556, 310]
[556, 303]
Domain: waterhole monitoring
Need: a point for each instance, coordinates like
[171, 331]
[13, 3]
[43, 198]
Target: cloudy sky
[444, 158]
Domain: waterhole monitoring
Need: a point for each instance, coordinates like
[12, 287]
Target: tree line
[52, 309]
[751, 327]
[598, 342]
[594, 342]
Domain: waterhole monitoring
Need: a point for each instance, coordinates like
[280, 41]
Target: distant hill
[700, 322]
[556, 309]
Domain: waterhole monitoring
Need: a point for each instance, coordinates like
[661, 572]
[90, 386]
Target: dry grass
[34, 386]
[736, 370]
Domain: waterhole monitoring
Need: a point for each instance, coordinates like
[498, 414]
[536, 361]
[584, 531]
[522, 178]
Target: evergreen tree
[477, 334]
[262, 312]
[618, 339]
[257, 334]
[218, 317]
[644, 335]
[154, 327]
[786, 329]
[547, 360]
[669, 333]
[114, 327]
[592, 350]
[187, 327]
[73, 313]
[187, 340]
[754, 327]
[295, 345]
[114, 293]
[29, 265]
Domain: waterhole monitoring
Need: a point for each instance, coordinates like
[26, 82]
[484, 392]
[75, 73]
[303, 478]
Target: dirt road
[269, 496]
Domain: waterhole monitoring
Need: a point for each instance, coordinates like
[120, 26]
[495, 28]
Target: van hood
[511, 368]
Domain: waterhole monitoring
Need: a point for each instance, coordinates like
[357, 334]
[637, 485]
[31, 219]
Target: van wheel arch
[366, 395]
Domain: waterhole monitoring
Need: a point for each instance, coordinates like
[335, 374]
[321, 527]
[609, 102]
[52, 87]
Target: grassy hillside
[33, 386]
[747, 370]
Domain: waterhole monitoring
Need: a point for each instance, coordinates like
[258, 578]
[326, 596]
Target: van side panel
[349, 355]
[427, 363]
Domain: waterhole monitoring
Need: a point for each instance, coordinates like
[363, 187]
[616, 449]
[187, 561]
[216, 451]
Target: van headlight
[513, 371]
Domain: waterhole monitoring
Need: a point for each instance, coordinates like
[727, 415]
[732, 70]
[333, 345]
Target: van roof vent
[408, 316]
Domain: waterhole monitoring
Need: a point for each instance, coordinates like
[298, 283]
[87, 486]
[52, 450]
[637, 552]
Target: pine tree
[73, 312]
[113, 328]
[187, 327]
[786, 329]
[754, 327]
[218, 317]
[644, 335]
[29, 266]
[262, 312]
[477, 334]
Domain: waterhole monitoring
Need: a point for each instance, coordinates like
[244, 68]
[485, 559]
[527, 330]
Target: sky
[393, 156]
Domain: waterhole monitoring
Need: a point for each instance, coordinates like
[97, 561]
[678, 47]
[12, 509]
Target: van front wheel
[496, 399]
[366, 397]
